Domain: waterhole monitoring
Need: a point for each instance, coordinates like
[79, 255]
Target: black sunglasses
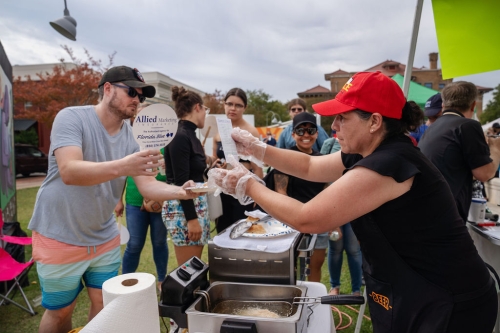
[131, 92]
[302, 130]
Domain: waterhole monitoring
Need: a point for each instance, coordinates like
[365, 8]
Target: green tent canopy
[418, 93]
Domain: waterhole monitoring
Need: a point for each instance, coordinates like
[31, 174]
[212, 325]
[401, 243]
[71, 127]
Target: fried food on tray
[256, 229]
[252, 219]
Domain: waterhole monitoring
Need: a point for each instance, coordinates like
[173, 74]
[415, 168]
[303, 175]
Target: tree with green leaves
[492, 110]
[260, 103]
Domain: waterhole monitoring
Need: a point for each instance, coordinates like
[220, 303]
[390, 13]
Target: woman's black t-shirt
[184, 160]
[423, 225]
[301, 189]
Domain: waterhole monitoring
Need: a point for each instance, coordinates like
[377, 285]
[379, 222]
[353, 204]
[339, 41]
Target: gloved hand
[232, 182]
[248, 146]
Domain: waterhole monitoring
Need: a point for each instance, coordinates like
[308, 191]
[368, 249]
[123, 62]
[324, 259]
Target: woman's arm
[214, 144]
[321, 169]
[257, 170]
[355, 194]
[281, 183]
[153, 189]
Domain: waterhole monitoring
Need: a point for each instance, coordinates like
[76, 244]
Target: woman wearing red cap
[422, 271]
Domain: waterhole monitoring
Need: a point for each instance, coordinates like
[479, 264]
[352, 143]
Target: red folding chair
[12, 270]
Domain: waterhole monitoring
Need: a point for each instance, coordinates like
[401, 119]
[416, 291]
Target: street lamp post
[66, 25]
[276, 119]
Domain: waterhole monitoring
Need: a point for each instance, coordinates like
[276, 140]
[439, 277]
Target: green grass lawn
[14, 320]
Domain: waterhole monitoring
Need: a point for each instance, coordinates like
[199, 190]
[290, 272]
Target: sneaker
[334, 291]
[356, 293]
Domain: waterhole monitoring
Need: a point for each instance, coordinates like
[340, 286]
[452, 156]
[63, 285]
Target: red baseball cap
[367, 91]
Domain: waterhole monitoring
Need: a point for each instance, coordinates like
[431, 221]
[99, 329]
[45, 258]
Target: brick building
[430, 77]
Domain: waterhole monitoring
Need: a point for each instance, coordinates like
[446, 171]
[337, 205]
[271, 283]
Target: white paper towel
[130, 305]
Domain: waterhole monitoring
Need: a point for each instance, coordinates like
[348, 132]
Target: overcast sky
[281, 46]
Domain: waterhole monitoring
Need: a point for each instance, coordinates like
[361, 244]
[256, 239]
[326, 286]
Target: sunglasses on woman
[302, 130]
[131, 92]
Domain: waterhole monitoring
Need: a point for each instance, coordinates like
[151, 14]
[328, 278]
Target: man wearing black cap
[76, 242]
[433, 110]
[455, 144]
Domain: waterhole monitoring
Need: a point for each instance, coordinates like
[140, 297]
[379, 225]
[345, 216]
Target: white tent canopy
[488, 125]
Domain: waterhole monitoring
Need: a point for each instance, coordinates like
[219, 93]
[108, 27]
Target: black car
[30, 159]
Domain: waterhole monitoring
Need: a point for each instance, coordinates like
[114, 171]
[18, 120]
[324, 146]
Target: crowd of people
[367, 183]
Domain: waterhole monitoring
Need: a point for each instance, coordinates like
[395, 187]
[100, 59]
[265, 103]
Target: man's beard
[114, 107]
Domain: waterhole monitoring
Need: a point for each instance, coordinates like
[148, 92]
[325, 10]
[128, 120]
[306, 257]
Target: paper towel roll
[130, 305]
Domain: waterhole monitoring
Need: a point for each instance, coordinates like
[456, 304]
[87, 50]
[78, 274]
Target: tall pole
[413, 45]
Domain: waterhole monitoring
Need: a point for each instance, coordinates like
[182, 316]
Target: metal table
[488, 248]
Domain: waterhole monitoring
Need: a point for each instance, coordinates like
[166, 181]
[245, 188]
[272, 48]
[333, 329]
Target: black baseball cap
[303, 118]
[433, 105]
[128, 76]
[496, 125]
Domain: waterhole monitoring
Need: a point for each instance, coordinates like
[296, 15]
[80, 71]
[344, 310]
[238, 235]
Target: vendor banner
[7, 167]
[275, 132]
[468, 33]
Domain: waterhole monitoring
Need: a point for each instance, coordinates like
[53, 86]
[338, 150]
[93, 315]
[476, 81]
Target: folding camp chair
[12, 270]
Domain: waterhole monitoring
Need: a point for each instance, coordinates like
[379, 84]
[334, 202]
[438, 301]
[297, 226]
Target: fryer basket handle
[312, 243]
[342, 299]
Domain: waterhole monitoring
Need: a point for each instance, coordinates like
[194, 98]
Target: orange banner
[275, 131]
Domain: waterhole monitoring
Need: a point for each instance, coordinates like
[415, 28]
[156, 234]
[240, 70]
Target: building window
[428, 84]
[441, 85]
[27, 105]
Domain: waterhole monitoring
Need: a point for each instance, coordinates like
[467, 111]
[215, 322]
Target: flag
[468, 34]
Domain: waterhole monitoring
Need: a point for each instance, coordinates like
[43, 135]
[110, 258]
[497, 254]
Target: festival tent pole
[413, 45]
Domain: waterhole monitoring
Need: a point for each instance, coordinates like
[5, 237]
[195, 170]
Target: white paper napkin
[258, 214]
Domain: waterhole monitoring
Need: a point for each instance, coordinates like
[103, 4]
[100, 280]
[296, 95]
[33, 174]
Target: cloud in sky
[283, 47]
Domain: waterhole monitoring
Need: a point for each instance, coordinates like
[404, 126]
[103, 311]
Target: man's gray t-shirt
[81, 215]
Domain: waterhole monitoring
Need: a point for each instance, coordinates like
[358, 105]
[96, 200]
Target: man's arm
[75, 171]
[153, 189]
[487, 171]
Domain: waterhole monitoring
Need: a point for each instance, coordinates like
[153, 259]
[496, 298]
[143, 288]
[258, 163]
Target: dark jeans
[137, 223]
[350, 244]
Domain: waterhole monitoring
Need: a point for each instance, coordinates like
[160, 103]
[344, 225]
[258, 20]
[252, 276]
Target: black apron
[400, 299]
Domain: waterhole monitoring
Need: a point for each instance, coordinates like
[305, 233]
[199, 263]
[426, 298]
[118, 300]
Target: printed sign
[228, 145]
[155, 126]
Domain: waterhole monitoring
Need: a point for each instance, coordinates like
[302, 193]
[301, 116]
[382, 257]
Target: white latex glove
[232, 182]
[248, 146]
